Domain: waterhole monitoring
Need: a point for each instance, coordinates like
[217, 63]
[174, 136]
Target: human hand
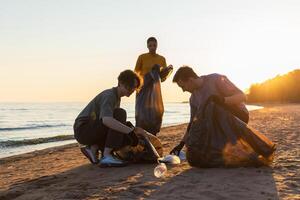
[166, 72]
[176, 150]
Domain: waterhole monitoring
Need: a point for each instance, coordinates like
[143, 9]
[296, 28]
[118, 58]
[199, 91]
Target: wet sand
[64, 173]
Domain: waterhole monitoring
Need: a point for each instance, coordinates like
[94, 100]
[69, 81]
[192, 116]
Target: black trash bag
[149, 106]
[219, 139]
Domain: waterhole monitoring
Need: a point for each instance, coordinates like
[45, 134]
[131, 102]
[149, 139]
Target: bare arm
[138, 65]
[176, 150]
[164, 63]
[235, 99]
[186, 133]
[192, 113]
[233, 95]
[114, 124]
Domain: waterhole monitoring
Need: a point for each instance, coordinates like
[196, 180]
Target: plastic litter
[160, 170]
[182, 156]
[170, 159]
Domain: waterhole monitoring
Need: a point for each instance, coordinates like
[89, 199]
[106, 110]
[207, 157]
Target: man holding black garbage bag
[146, 61]
[218, 134]
[149, 107]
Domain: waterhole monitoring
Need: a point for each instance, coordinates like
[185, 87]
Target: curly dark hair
[128, 78]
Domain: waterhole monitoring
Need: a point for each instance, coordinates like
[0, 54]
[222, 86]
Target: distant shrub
[282, 88]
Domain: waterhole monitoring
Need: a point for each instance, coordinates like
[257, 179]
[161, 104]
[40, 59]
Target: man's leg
[115, 139]
[92, 134]
[242, 115]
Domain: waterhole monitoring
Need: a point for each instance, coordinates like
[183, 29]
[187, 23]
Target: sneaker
[110, 161]
[93, 157]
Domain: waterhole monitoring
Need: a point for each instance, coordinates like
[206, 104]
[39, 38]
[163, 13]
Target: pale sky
[71, 50]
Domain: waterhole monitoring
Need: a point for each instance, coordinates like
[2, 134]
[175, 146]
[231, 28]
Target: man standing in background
[152, 68]
[146, 61]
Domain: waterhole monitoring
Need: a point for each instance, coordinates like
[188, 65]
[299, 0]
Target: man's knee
[129, 124]
[120, 115]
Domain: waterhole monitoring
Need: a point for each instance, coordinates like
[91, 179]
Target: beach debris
[170, 159]
[182, 156]
[160, 170]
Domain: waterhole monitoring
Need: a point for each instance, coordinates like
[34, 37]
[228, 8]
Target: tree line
[282, 89]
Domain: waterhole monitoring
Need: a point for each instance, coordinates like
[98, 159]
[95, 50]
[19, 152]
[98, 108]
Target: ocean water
[26, 127]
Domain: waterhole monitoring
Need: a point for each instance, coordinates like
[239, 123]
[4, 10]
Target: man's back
[102, 104]
[214, 84]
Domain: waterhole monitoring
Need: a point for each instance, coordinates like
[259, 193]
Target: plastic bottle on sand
[160, 170]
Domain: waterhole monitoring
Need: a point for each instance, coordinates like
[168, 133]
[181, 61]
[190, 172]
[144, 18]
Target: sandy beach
[64, 173]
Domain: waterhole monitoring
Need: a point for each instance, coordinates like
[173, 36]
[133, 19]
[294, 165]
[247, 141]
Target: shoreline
[58, 148]
[19, 147]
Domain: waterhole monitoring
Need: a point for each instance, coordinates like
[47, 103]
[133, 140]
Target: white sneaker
[110, 161]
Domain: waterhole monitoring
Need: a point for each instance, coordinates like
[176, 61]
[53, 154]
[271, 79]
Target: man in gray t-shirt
[102, 125]
[216, 87]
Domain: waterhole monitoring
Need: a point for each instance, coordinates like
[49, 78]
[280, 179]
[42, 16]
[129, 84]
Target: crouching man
[213, 86]
[102, 125]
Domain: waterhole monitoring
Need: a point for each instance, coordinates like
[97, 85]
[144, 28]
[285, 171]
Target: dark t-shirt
[102, 105]
[213, 84]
